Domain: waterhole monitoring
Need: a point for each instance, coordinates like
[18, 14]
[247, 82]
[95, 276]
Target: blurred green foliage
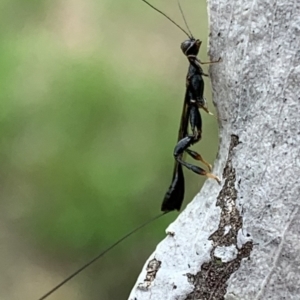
[90, 100]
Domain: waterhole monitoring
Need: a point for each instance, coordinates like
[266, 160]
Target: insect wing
[174, 196]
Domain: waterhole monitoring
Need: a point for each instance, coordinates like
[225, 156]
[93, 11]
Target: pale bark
[241, 240]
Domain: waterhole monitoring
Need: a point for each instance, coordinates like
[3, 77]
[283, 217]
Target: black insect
[190, 114]
[193, 101]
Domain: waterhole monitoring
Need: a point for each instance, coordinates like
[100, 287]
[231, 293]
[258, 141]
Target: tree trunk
[240, 240]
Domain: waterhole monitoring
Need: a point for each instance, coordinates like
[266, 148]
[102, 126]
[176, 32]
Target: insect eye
[185, 45]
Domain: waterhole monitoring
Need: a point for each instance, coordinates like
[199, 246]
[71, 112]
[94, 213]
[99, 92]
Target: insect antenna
[167, 18]
[186, 24]
[100, 255]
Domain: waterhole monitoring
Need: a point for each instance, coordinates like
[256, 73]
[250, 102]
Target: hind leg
[183, 146]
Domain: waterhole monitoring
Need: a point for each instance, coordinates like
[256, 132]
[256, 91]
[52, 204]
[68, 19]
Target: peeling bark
[240, 240]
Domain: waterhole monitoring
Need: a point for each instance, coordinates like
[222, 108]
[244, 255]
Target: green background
[91, 94]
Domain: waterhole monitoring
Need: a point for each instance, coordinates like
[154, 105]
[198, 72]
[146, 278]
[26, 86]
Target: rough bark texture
[241, 240]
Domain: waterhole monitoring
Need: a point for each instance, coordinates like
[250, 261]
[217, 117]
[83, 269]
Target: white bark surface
[241, 240]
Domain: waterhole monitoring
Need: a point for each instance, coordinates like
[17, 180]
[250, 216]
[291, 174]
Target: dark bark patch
[152, 269]
[211, 282]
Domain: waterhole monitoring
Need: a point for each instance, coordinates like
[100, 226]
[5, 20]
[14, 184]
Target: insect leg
[181, 147]
[206, 62]
[195, 155]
